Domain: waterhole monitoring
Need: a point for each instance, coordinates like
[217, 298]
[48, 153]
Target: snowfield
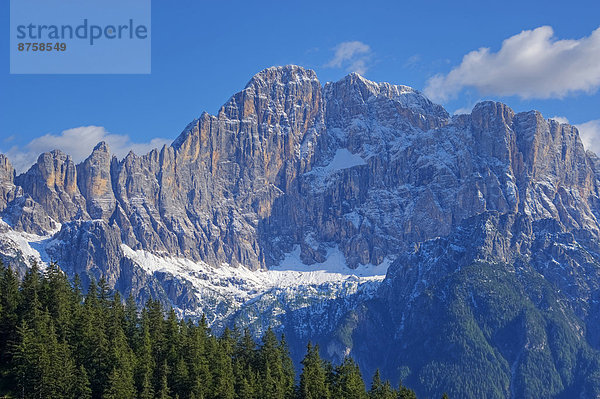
[245, 284]
[227, 291]
[31, 247]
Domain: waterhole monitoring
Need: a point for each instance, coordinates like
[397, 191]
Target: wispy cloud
[531, 64]
[10, 138]
[353, 56]
[463, 110]
[412, 61]
[78, 142]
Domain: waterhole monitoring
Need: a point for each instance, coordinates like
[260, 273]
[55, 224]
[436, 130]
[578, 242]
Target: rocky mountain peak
[94, 180]
[356, 97]
[288, 95]
[366, 89]
[7, 177]
[101, 147]
[282, 75]
[358, 85]
[52, 182]
[286, 158]
[7, 172]
[56, 170]
[490, 114]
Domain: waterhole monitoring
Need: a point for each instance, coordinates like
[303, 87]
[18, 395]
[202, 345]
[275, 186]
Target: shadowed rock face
[7, 178]
[505, 300]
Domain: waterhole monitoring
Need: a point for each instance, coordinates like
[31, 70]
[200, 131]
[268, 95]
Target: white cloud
[463, 110]
[353, 56]
[412, 61]
[560, 119]
[531, 64]
[10, 138]
[79, 143]
[590, 135]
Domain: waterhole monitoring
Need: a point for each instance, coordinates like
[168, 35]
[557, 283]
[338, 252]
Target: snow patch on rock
[343, 159]
[31, 247]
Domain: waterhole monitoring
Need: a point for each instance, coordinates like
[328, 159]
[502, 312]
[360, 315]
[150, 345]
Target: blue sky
[203, 52]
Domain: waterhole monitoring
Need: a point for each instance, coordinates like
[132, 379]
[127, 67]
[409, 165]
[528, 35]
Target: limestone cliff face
[369, 168]
[206, 195]
[7, 186]
[52, 182]
[18, 208]
[95, 184]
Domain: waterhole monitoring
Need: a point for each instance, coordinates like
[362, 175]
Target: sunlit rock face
[52, 182]
[95, 184]
[372, 168]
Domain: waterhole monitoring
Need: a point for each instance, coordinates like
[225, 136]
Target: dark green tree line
[56, 342]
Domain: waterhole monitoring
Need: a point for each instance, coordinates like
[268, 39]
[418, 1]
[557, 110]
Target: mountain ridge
[288, 207]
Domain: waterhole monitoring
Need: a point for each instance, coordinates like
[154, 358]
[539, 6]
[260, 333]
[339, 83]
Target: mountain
[457, 253]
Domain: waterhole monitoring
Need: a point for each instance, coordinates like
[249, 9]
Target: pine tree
[289, 373]
[61, 368]
[81, 385]
[222, 368]
[30, 301]
[405, 393]
[271, 367]
[197, 357]
[181, 382]
[244, 387]
[172, 346]
[163, 389]
[388, 391]
[97, 348]
[25, 362]
[9, 318]
[246, 350]
[79, 325]
[57, 298]
[154, 317]
[131, 322]
[348, 381]
[76, 295]
[313, 380]
[94, 349]
[120, 385]
[103, 293]
[145, 362]
[120, 381]
[380, 389]
[146, 389]
[376, 386]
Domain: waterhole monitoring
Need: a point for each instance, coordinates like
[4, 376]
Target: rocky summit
[458, 253]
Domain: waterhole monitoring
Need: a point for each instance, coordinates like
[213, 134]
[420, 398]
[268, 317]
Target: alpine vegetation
[57, 343]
